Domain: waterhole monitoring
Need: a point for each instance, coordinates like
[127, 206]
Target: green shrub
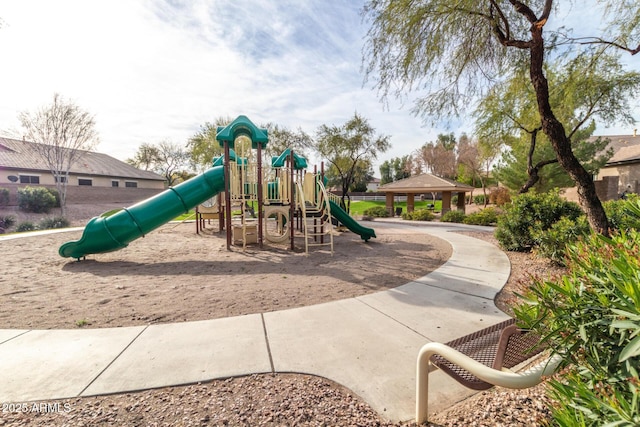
[479, 199]
[4, 196]
[376, 212]
[35, 199]
[6, 222]
[54, 222]
[487, 216]
[553, 242]
[618, 215]
[26, 226]
[453, 216]
[56, 195]
[591, 318]
[419, 215]
[532, 213]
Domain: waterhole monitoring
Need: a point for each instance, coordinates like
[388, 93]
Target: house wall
[606, 188]
[628, 174]
[46, 178]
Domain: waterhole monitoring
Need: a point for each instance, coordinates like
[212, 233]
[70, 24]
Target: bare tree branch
[62, 133]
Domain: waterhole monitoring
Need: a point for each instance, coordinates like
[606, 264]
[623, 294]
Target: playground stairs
[315, 213]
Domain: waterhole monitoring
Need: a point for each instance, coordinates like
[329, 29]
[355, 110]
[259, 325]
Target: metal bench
[481, 360]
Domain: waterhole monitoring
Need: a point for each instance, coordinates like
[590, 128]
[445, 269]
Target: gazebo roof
[424, 183]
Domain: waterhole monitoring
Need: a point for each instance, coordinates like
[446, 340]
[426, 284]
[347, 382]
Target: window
[29, 179]
[115, 183]
[61, 179]
[85, 181]
[131, 184]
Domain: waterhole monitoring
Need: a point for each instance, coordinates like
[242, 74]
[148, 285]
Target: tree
[172, 158]
[401, 167]
[145, 158]
[456, 51]
[281, 138]
[475, 159]
[344, 147]
[530, 162]
[62, 133]
[386, 174]
[439, 157]
[363, 174]
[202, 147]
[470, 165]
[396, 169]
[166, 158]
[510, 111]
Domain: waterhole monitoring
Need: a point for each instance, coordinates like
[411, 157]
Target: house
[622, 171]
[94, 177]
[373, 184]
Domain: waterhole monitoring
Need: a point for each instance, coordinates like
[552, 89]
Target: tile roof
[616, 142]
[630, 154]
[16, 154]
[626, 148]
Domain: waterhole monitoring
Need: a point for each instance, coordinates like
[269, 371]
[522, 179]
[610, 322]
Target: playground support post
[260, 194]
[291, 200]
[227, 193]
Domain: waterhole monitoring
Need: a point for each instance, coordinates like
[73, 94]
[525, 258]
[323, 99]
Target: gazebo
[421, 184]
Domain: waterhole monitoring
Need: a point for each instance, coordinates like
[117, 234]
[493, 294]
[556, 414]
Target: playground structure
[255, 202]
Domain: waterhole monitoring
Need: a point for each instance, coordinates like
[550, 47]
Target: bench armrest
[525, 379]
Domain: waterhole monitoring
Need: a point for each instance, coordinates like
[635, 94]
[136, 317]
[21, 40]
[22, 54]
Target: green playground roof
[299, 162]
[242, 126]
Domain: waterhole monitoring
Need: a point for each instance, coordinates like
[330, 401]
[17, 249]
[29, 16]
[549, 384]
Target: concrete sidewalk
[368, 344]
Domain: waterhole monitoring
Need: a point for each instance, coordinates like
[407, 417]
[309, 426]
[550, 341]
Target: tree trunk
[534, 175]
[345, 193]
[554, 130]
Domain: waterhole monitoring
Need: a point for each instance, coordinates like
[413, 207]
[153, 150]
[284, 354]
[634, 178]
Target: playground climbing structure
[255, 202]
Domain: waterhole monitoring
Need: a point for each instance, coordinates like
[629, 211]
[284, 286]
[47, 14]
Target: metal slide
[115, 230]
[353, 225]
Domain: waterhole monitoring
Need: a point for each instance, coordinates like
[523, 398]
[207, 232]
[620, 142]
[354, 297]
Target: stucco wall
[628, 175]
[46, 178]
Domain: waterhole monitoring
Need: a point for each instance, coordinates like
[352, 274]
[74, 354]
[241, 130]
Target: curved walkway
[368, 343]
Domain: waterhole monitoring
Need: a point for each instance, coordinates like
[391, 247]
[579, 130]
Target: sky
[156, 70]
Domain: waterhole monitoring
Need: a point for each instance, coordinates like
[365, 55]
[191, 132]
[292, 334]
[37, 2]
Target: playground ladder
[243, 192]
[316, 215]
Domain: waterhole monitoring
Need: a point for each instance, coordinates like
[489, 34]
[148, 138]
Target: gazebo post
[389, 204]
[461, 201]
[410, 202]
[446, 201]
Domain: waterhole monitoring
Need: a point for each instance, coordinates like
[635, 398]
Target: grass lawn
[189, 215]
[358, 207]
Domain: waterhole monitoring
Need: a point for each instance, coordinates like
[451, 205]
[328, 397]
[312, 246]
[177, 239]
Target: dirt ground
[175, 275]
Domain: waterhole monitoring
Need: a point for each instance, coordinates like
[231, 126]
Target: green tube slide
[353, 225]
[116, 229]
